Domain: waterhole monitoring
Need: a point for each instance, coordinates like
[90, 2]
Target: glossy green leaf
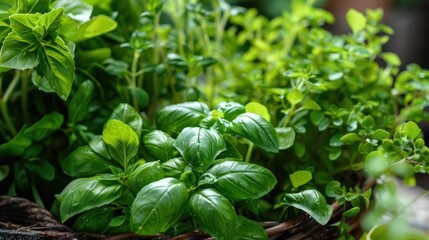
[353, 212]
[78, 108]
[294, 97]
[300, 178]
[97, 26]
[380, 134]
[241, 181]
[144, 174]
[57, 66]
[48, 124]
[213, 213]
[23, 25]
[95, 220]
[411, 130]
[257, 108]
[99, 146]
[84, 194]
[17, 53]
[140, 95]
[127, 114]
[230, 110]
[356, 20]
[257, 130]
[368, 122]
[247, 229]
[158, 206]
[376, 164]
[199, 146]
[121, 140]
[174, 118]
[350, 138]
[173, 167]
[159, 144]
[84, 162]
[312, 202]
[41, 168]
[16, 146]
[286, 137]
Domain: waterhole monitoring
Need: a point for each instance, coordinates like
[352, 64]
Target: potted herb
[166, 117]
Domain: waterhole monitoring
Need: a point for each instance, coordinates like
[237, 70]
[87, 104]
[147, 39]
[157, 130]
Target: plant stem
[24, 94]
[36, 195]
[249, 152]
[3, 103]
[134, 65]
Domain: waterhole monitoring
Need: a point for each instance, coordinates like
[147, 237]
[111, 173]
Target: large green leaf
[158, 206]
[121, 140]
[94, 221]
[45, 126]
[57, 66]
[174, 118]
[97, 26]
[127, 114]
[78, 108]
[247, 229]
[241, 181]
[257, 130]
[84, 194]
[199, 146]
[312, 202]
[159, 144]
[213, 213]
[144, 174]
[84, 162]
[17, 53]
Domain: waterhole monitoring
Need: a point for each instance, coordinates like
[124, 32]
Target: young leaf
[45, 126]
[312, 202]
[174, 118]
[121, 140]
[411, 130]
[50, 22]
[300, 178]
[350, 138]
[85, 194]
[295, 97]
[159, 144]
[174, 167]
[248, 229]
[356, 20]
[213, 213]
[23, 25]
[78, 108]
[57, 66]
[257, 130]
[230, 110]
[144, 174]
[376, 164]
[199, 146]
[286, 137]
[158, 206]
[241, 181]
[127, 114]
[84, 162]
[259, 109]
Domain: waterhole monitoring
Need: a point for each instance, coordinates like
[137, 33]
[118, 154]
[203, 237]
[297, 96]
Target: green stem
[249, 152]
[24, 94]
[3, 103]
[134, 75]
[36, 195]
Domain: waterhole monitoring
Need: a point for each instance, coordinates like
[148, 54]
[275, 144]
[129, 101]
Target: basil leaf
[230, 110]
[85, 194]
[213, 213]
[199, 146]
[173, 167]
[158, 206]
[51, 23]
[97, 26]
[23, 25]
[41, 168]
[127, 114]
[95, 220]
[57, 66]
[76, 10]
[257, 130]
[241, 181]
[174, 118]
[45, 126]
[99, 146]
[84, 162]
[159, 144]
[16, 146]
[17, 53]
[78, 107]
[4, 172]
[248, 229]
[144, 174]
[312, 202]
[121, 140]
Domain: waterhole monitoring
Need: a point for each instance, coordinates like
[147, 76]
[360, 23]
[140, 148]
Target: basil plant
[187, 173]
